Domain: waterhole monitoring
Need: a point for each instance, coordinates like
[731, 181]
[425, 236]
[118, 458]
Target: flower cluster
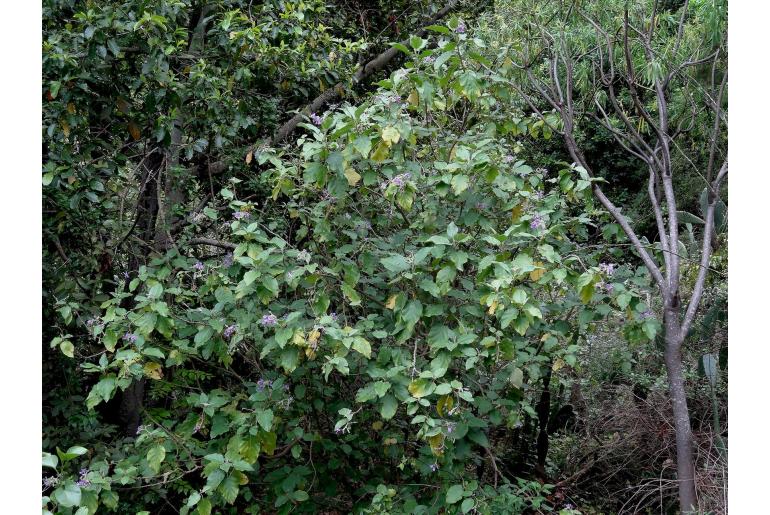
[508, 159]
[326, 195]
[537, 222]
[607, 268]
[198, 424]
[303, 255]
[230, 330]
[461, 28]
[429, 59]
[130, 337]
[83, 481]
[239, 215]
[434, 467]
[398, 180]
[227, 261]
[269, 320]
[334, 316]
[317, 120]
[541, 171]
[50, 481]
[389, 99]
[264, 383]
[198, 266]
[605, 286]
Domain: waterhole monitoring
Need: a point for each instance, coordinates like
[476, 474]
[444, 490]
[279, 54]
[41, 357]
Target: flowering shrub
[387, 312]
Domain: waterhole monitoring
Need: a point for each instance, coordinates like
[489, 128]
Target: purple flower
[269, 320]
[200, 267]
[569, 506]
[434, 467]
[450, 427]
[228, 259]
[429, 60]
[50, 481]
[508, 159]
[238, 215]
[90, 322]
[140, 429]
[537, 222]
[229, 330]
[126, 275]
[541, 171]
[264, 383]
[460, 28]
[334, 316]
[317, 120]
[481, 206]
[338, 430]
[83, 481]
[539, 195]
[607, 268]
[130, 337]
[286, 388]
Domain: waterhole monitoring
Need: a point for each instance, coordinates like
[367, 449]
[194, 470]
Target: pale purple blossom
[83, 481]
[239, 215]
[434, 467]
[126, 275]
[230, 330]
[541, 171]
[429, 59]
[227, 261]
[264, 383]
[269, 320]
[450, 427]
[537, 222]
[607, 268]
[326, 195]
[130, 337]
[539, 195]
[50, 481]
[481, 206]
[507, 159]
[200, 267]
[398, 180]
[140, 428]
[317, 120]
[334, 316]
[460, 28]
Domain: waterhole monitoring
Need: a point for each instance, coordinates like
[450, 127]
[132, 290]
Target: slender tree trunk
[684, 448]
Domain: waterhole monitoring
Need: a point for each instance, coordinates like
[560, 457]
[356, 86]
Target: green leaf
[265, 419]
[395, 263]
[351, 294]
[67, 348]
[467, 505]
[363, 144]
[68, 495]
[362, 346]
[439, 28]
[228, 489]
[49, 460]
[454, 494]
[389, 407]
[155, 457]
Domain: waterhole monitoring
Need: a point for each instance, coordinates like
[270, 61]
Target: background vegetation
[338, 256]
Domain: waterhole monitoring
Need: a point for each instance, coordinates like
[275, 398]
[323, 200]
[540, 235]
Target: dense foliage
[387, 314]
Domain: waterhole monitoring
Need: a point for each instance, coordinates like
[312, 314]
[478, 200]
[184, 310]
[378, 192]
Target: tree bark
[684, 448]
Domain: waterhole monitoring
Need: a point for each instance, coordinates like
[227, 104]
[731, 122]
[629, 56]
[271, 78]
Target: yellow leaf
[71, 108]
[390, 135]
[516, 212]
[444, 405]
[65, 128]
[391, 304]
[310, 353]
[352, 176]
[243, 479]
[437, 444]
[133, 129]
[536, 274]
[390, 441]
[558, 364]
[153, 370]
[299, 338]
[380, 153]
[313, 337]
[452, 153]
[492, 307]
[123, 105]
[293, 213]
[249, 157]
[413, 98]
[377, 425]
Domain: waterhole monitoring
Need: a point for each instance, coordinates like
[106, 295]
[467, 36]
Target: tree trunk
[684, 454]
